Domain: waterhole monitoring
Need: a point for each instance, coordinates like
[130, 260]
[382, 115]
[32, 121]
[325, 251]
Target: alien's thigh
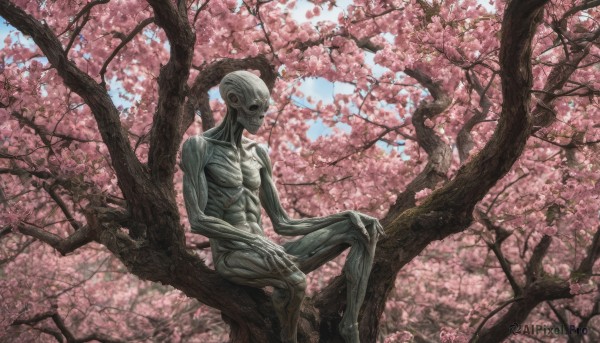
[321, 246]
[249, 268]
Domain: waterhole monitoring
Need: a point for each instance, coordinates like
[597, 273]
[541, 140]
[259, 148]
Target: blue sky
[316, 88]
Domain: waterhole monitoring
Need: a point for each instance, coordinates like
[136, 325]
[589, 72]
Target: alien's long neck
[229, 130]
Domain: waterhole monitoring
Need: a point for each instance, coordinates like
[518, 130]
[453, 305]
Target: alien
[228, 179]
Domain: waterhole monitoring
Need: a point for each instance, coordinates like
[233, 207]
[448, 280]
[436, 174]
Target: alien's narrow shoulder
[196, 143]
[262, 153]
[195, 147]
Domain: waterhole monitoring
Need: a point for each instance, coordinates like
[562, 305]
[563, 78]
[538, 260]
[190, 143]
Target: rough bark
[439, 153]
[537, 289]
[449, 209]
[96, 97]
[172, 82]
[154, 249]
[152, 212]
[533, 295]
[440, 158]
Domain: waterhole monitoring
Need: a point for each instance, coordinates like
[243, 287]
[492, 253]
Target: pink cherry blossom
[354, 95]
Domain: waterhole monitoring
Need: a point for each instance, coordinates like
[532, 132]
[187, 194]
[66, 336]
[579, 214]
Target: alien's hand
[274, 255]
[368, 226]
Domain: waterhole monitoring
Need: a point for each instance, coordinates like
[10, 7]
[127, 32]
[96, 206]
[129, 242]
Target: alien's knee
[294, 290]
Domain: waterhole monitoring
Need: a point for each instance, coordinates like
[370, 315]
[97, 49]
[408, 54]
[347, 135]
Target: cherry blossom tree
[471, 130]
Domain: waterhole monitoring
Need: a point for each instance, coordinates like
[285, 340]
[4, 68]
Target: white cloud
[343, 88]
[317, 89]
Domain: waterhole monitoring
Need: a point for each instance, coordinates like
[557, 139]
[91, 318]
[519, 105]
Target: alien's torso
[233, 181]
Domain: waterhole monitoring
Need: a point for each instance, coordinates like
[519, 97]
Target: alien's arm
[286, 226]
[195, 190]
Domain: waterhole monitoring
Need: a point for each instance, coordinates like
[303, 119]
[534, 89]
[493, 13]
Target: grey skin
[227, 178]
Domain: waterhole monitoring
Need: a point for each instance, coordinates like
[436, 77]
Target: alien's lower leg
[287, 302]
[357, 270]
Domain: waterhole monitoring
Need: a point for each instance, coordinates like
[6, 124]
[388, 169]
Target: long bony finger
[355, 219]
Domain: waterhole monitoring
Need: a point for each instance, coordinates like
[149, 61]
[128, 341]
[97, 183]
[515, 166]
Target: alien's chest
[226, 169]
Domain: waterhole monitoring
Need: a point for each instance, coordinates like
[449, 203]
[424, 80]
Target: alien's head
[247, 98]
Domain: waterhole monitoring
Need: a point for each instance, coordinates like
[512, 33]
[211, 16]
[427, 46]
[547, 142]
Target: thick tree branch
[106, 114]
[35, 319]
[536, 293]
[248, 307]
[63, 245]
[534, 267]
[439, 153]
[426, 137]
[475, 179]
[60, 324]
[5, 230]
[449, 209]
[593, 253]
[540, 289]
[165, 136]
[331, 301]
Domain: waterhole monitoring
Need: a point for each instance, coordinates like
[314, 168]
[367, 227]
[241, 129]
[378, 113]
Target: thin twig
[489, 316]
[124, 42]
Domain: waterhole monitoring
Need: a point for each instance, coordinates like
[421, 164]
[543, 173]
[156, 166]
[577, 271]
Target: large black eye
[253, 108]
